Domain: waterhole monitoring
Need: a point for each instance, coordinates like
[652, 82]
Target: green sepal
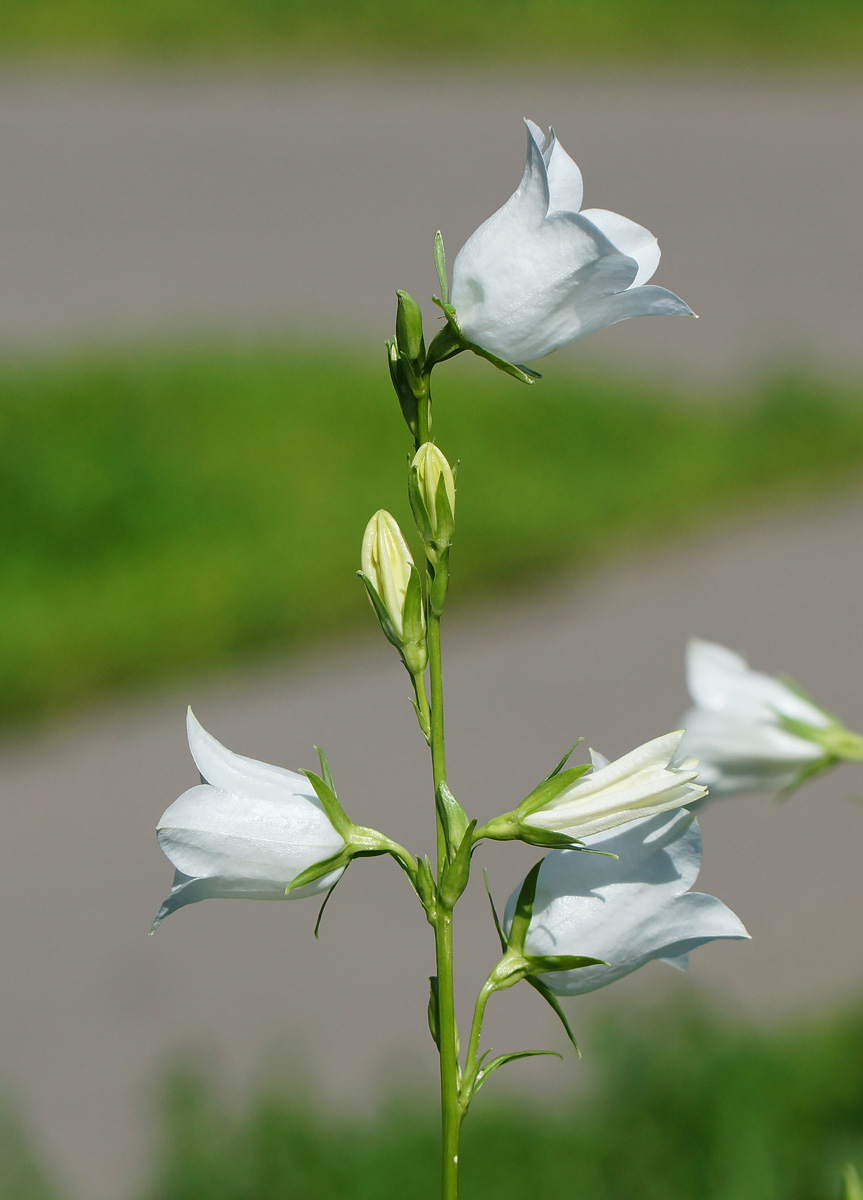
[452, 320]
[453, 818]
[552, 1000]
[418, 507]
[557, 770]
[325, 903]
[337, 816]
[409, 327]
[808, 771]
[326, 773]
[444, 518]
[544, 964]
[495, 917]
[439, 584]
[456, 874]
[523, 911]
[389, 630]
[440, 265]
[319, 869]
[445, 344]
[413, 615]
[837, 741]
[550, 789]
[551, 839]
[434, 1010]
[520, 372]
[404, 392]
[425, 888]
[501, 1061]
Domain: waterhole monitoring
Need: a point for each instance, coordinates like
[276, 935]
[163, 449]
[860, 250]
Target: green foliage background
[164, 512]
[683, 1104]
[537, 32]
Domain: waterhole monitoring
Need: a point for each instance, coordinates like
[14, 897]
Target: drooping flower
[539, 273]
[583, 801]
[625, 910]
[246, 832]
[752, 732]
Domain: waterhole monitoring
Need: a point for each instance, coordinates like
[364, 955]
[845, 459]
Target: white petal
[186, 890]
[208, 832]
[565, 185]
[720, 680]
[723, 738]
[651, 301]
[239, 775]
[631, 239]
[625, 910]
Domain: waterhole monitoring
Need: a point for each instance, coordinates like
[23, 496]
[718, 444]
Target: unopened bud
[432, 497]
[409, 328]
[386, 563]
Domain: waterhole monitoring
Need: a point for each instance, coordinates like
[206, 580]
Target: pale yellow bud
[386, 561]
[430, 466]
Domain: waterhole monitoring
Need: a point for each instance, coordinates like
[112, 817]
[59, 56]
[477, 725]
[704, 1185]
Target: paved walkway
[136, 206]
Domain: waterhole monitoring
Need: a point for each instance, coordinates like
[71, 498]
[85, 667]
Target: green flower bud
[409, 328]
[431, 489]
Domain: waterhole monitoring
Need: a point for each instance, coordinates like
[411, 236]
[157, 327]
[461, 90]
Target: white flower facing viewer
[625, 910]
[539, 273]
[738, 727]
[245, 832]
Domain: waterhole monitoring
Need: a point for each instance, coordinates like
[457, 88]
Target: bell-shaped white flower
[737, 725]
[625, 910]
[539, 273]
[245, 832]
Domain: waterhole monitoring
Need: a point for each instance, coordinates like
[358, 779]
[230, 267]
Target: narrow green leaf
[541, 963]
[550, 998]
[503, 1059]
[440, 266]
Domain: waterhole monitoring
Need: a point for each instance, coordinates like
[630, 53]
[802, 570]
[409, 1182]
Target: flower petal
[598, 311]
[721, 680]
[208, 832]
[187, 890]
[565, 184]
[237, 774]
[629, 238]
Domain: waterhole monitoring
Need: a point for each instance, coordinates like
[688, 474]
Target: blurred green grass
[566, 31]
[167, 511]
[682, 1104]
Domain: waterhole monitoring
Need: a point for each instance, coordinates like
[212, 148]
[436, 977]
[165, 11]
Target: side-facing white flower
[625, 910]
[245, 832]
[736, 727]
[539, 273]
[586, 800]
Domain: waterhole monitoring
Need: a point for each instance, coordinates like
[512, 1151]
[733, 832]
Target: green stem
[438, 751]
[449, 1071]
[471, 1061]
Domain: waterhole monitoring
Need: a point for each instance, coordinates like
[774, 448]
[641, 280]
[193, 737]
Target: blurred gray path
[289, 202]
[92, 1007]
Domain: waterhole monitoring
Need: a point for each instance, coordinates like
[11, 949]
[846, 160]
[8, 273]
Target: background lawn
[160, 512]
[536, 32]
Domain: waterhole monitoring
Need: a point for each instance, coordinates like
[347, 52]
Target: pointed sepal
[456, 874]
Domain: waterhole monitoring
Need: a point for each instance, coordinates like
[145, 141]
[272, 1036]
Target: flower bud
[432, 495]
[409, 328]
[386, 563]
